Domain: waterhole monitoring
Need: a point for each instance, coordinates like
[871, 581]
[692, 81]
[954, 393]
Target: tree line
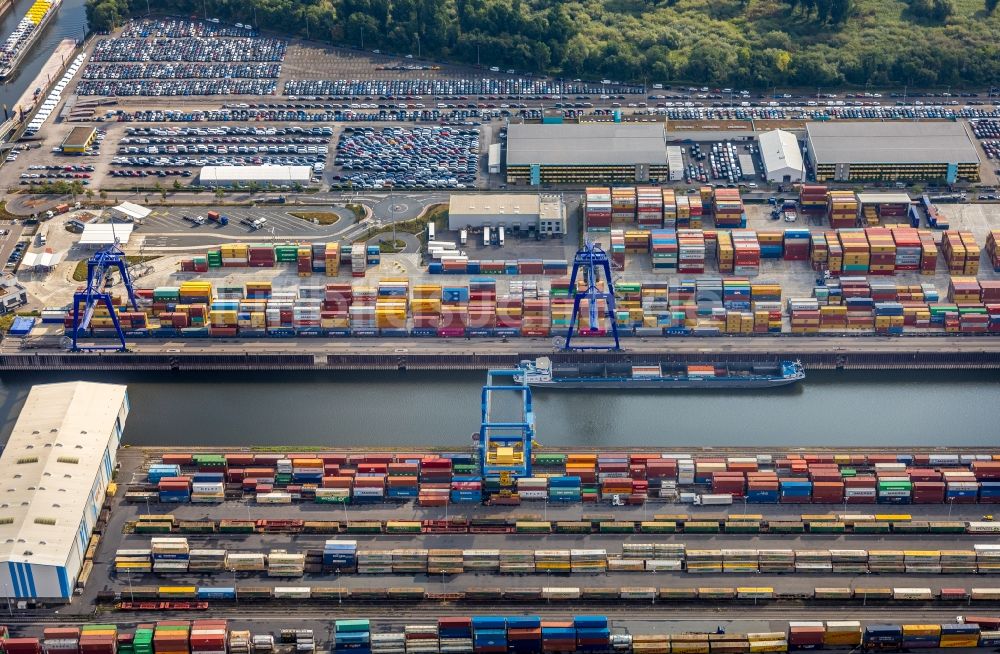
[745, 43]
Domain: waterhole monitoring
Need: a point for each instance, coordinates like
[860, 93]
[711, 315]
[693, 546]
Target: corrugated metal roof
[106, 233]
[883, 198]
[888, 143]
[275, 174]
[780, 150]
[591, 144]
[133, 210]
[49, 466]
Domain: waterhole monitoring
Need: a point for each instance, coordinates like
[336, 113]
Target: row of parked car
[152, 173]
[173, 88]
[543, 89]
[209, 49]
[164, 161]
[181, 71]
[177, 28]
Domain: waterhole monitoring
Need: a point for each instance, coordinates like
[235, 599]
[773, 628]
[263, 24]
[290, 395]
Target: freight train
[553, 594]
[660, 523]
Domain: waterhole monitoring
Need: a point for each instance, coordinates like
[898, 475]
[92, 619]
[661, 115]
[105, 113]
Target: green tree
[220, 193]
[89, 193]
[75, 188]
[177, 185]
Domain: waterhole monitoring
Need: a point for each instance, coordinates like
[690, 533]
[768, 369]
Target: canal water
[69, 22]
[442, 409]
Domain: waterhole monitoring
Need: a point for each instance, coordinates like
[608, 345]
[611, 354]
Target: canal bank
[815, 353]
[408, 409]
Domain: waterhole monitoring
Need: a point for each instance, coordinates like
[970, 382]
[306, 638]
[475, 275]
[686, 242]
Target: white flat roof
[277, 174]
[49, 466]
[493, 204]
[780, 149]
[133, 210]
[105, 233]
[883, 198]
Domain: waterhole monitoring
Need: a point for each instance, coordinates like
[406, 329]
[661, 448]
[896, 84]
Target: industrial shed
[545, 212]
[261, 175]
[590, 153]
[782, 157]
[101, 234]
[130, 212]
[54, 474]
[905, 151]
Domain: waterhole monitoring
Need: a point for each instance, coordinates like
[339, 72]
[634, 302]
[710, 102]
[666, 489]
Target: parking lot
[12, 249]
[182, 58]
[435, 157]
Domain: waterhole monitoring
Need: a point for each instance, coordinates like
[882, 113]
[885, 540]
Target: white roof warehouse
[54, 474]
[262, 175]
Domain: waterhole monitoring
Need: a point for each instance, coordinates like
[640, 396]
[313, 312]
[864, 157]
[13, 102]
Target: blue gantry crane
[99, 270]
[591, 259]
[505, 445]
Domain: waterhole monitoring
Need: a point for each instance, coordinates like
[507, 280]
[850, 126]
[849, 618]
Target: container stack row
[440, 479]
[501, 634]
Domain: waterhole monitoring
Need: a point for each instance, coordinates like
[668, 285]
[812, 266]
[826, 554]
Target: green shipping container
[742, 527]
[617, 528]
[871, 527]
[364, 527]
[826, 527]
[550, 459]
[918, 527]
[573, 527]
[946, 527]
[785, 527]
[701, 527]
[658, 527]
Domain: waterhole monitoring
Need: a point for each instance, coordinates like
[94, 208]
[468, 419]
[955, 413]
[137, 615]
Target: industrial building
[584, 154]
[54, 474]
[130, 212]
[545, 212]
[912, 151]
[493, 159]
[96, 235]
[782, 157]
[79, 140]
[675, 162]
[263, 176]
[12, 294]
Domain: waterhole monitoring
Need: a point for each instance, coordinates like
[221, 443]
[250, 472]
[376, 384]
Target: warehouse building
[545, 212]
[263, 176]
[782, 157]
[54, 474]
[79, 140]
[585, 154]
[675, 162]
[925, 151]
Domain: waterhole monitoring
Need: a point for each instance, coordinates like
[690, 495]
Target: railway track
[424, 611]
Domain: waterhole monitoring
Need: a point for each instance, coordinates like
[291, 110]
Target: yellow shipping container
[921, 629]
[769, 646]
[959, 640]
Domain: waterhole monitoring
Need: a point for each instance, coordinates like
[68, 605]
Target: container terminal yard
[189, 195]
[347, 224]
[635, 550]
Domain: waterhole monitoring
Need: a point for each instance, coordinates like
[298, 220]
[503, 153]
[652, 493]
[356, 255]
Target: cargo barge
[24, 36]
[662, 376]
